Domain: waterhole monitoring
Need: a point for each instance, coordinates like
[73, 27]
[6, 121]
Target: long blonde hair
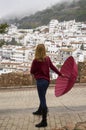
[40, 52]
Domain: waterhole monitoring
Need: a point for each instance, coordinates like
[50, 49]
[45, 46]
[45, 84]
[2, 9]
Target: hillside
[62, 11]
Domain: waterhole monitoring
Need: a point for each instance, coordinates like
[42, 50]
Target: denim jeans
[42, 86]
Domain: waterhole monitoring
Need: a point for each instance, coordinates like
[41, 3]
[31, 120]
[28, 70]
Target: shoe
[37, 113]
[41, 124]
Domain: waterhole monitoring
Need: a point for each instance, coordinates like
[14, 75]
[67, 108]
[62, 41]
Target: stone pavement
[16, 107]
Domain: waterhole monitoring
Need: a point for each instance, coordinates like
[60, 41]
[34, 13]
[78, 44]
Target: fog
[15, 8]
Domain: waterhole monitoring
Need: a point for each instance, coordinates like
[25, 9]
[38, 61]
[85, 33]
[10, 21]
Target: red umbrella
[64, 84]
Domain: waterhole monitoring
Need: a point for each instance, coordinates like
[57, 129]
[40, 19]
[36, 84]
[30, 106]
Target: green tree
[82, 47]
[13, 42]
[3, 28]
[2, 42]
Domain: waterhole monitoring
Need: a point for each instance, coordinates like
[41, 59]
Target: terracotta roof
[68, 49]
[9, 63]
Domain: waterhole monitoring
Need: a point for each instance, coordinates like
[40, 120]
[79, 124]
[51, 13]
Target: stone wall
[82, 72]
[15, 80]
[18, 80]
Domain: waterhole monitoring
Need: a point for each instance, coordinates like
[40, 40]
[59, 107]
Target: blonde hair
[40, 52]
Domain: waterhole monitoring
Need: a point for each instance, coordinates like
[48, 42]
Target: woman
[40, 69]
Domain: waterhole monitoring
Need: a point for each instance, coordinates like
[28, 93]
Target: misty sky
[16, 7]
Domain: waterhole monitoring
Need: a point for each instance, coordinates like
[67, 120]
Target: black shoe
[41, 124]
[37, 113]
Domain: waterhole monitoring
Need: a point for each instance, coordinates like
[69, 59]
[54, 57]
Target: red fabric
[64, 84]
[40, 69]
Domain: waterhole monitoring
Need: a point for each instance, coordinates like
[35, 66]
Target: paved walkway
[16, 107]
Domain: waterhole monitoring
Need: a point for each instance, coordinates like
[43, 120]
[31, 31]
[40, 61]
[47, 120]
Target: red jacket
[40, 69]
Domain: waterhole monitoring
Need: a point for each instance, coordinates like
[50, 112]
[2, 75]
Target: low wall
[19, 80]
[82, 72]
[15, 80]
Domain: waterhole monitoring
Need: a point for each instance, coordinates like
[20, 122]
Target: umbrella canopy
[64, 84]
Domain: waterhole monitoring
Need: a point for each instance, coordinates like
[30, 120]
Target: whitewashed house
[52, 25]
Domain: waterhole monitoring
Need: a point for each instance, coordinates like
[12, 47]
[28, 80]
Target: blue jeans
[42, 86]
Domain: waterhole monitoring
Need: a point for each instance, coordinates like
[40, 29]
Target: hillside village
[61, 40]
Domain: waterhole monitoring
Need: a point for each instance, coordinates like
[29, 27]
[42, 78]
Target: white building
[52, 25]
[20, 54]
